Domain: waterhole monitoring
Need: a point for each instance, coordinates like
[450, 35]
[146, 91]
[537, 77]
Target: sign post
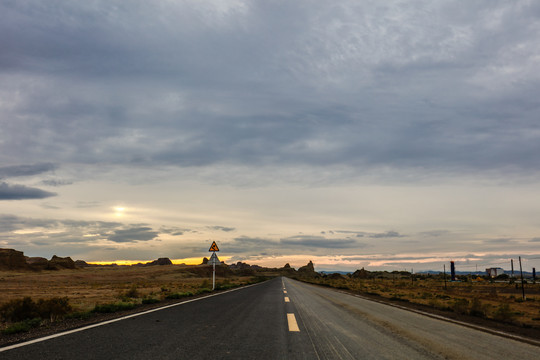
[214, 259]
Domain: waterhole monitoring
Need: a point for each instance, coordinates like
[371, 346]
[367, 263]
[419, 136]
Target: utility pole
[412, 277]
[444, 271]
[522, 285]
[512, 266]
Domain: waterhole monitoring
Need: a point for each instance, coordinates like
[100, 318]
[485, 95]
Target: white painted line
[287, 299]
[117, 319]
[284, 291]
[293, 325]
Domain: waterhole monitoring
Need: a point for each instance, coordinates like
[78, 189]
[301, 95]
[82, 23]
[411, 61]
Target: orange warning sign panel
[214, 247]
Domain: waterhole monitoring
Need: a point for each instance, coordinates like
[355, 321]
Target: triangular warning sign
[214, 247]
[214, 260]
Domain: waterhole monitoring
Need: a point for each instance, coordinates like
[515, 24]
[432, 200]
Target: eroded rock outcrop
[160, 261]
[58, 262]
[37, 263]
[360, 274]
[12, 260]
[308, 270]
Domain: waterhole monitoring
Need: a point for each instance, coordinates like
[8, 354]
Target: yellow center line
[287, 299]
[293, 325]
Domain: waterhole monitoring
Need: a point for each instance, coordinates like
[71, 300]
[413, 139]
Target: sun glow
[119, 210]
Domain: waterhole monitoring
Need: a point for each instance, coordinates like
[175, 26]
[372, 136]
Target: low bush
[132, 293]
[83, 315]
[54, 308]
[19, 310]
[111, 308]
[477, 308]
[22, 326]
[24, 309]
[204, 290]
[225, 286]
[150, 301]
[179, 295]
[460, 306]
[504, 313]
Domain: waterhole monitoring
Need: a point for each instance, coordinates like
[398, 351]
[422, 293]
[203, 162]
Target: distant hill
[327, 272]
[11, 260]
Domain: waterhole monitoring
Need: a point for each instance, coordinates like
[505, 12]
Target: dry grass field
[91, 286]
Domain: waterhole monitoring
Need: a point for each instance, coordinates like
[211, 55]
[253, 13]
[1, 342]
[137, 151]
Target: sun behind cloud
[119, 210]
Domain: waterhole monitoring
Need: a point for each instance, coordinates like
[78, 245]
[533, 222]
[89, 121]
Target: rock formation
[12, 260]
[308, 270]
[160, 261]
[360, 274]
[37, 263]
[81, 263]
[58, 262]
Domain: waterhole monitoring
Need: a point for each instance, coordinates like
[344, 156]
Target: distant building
[494, 272]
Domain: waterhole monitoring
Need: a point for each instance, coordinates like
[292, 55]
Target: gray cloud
[435, 233]
[346, 84]
[133, 234]
[388, 234]
[52, 182]
[317, 242]
[536, 239]
[499, 241]
[22, 192]
[175, 231]
[25, 170]
[221, 228]
[88, 204]
[250, 245]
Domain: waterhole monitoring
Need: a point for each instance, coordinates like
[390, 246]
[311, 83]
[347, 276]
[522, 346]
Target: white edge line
[10, 347]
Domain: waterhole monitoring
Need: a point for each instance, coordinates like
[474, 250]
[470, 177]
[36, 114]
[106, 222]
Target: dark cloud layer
[25, 170]
[22, 192]
[388, 234]
[437, 87]
[56, 232]
[317, 242]
[221, 228]
[133, 234]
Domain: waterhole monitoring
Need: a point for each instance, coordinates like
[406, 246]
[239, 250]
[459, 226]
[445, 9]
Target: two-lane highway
[278, 319]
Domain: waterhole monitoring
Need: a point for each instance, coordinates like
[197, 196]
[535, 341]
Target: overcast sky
[378, 134]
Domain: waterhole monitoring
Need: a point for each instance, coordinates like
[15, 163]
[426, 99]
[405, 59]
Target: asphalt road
[278, 319]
